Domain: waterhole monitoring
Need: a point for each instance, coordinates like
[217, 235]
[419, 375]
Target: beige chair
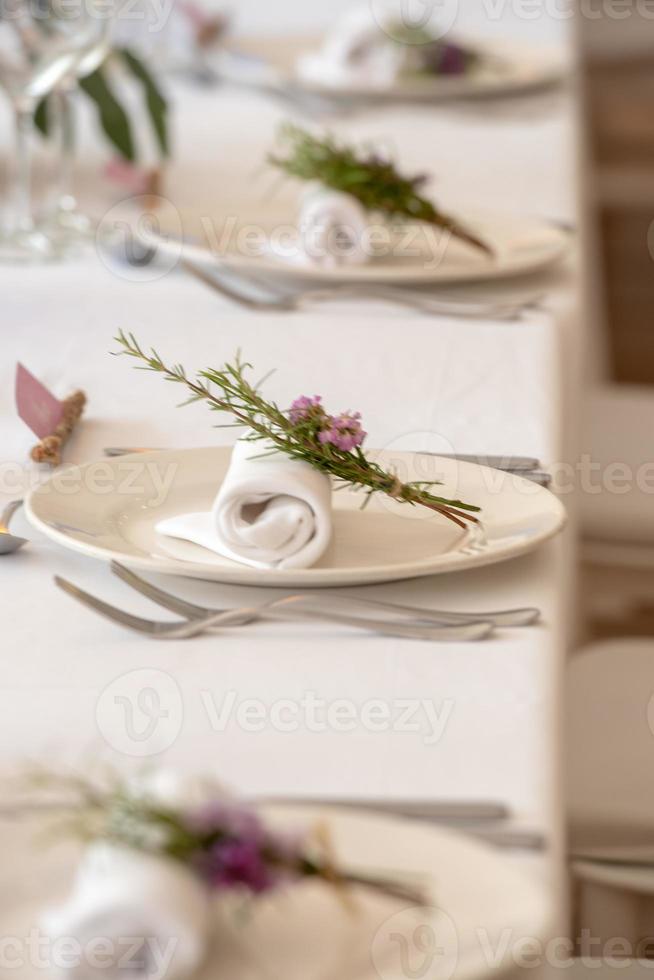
[617, 476]
[609, 740]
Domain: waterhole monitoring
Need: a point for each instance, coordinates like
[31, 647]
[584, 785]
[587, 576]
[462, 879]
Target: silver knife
[485, 821]
[449, 811]
[524, 466]
[516, 464]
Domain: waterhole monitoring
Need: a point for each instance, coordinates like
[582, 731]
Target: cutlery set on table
[142, 540]
[369, 615]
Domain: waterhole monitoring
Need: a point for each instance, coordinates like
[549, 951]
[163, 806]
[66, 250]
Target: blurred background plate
[267, 242]
[512, 68]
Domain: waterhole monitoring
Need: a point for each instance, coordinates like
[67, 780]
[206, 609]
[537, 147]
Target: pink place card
[37, 407]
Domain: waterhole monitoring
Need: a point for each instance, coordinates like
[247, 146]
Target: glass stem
[65, 117]
[22, 178]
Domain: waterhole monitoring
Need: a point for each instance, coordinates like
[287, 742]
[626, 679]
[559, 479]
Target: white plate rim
[370, 273]
[470, 964]
[546, 70]
[309, 577]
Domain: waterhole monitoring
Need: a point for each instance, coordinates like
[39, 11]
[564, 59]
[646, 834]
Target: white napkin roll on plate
[135, 916]
[333, 228]
[271, 512]
[359, 51]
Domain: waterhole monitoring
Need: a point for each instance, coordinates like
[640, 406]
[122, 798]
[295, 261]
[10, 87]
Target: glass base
[27, 245]
[71, 231]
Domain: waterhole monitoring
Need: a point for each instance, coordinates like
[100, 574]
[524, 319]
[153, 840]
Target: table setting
[163, 877]
[361, 227]
[351, 534]
[375, 53]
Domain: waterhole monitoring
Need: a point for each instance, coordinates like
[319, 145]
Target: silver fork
[281, 609]
[500, 618]
[289, 301]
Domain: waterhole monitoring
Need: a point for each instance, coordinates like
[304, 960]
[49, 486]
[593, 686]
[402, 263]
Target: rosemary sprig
[375, 182]
[298, 438]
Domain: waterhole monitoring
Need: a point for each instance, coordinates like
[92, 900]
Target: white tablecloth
[244, 704]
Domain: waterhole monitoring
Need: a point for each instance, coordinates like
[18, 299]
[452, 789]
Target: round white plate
[109, 510]
[511, 68]
[419, 254]
[477, 899]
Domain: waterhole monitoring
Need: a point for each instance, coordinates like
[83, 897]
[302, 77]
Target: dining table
[306, 709]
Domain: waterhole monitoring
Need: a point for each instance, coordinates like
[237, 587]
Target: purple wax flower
[304, 407]
[236, 850]
[453, 60]
[239, 863]
[343, 431]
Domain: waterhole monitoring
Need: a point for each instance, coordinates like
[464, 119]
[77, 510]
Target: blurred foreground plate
[480, 907]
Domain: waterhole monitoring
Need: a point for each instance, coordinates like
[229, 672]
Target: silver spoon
[9, 542]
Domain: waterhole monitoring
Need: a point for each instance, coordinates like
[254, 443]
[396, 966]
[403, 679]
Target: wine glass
[40, 44]
[66, 223]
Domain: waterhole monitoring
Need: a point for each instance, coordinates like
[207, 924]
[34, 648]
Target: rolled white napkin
[357, 52]
[133, 916]
[333, 228]
[270, 512]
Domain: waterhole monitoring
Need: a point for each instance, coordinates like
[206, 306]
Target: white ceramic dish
[420, 255]
[109, 510]
[478, 898]
[510, 68]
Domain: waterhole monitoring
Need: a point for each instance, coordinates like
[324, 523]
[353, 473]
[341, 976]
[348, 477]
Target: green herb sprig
[374, 181]
[298, 439]
[226, 843]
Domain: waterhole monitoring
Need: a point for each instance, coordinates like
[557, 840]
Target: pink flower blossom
[343, 431]
[304, 407]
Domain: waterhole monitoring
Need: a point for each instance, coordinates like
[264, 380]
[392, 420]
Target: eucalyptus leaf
[42, 117]
[154, 100]
[113, 118]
